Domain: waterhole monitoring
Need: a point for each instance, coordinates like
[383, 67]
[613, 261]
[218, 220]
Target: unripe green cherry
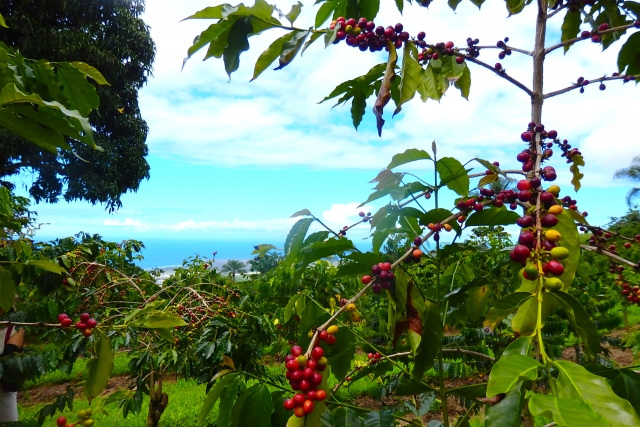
[302, 361]
[553, 284]
[559, 253]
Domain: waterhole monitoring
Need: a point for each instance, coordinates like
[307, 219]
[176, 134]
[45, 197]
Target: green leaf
[581, 322]
[504, 307]
[487, 179]
[229, 413]
[565, 412]
[262, 249]
[313, 38]
[137, 312]
[294, 13]
[575, 382]
[383, 418]
[296, 422]
[81, 94]
[326, 419]
[521, 346]
[158, 319]
[7, 289]
[453, 4]
[360, 264]
[257, 407]
[214, 394]
[431, 342]
[410, 155]
[99, 368]
[400, 5]
[295, 238]
[320, 250]
[430, 86]
[288, 310]
[267, 57]
[214, 12]
[2, 23]
[576, 161]
[507, 412]
[410, 387]
[439, 215]
[515, 6]
[492, 216]
[291, 48]
[507, 372]
[411, 75]
[448, 166]
[346, 417]
[384, 94]
[450, 68]
[166, 334]
[477, 299]
[340, 357]
[470, 392]
[570, 27]
[325, 12]
[525, 320]
[47, 265]
[627, 386]
[629, 56]
[464, 82]
[237, 42]
[303, 212]
[358, 107]
[571, 240]
[92, 72]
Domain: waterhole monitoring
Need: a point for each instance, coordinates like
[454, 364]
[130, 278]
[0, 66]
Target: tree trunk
[158, 401]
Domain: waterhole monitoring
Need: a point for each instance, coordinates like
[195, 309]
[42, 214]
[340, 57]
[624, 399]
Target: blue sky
[232, 160]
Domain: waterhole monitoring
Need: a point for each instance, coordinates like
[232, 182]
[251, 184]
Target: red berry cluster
[304, 376]
[383, 277]
[85, 324]
[505, 49]
[438, 50]
[374, 357]
[364, 34]
[631, 293]
[366, 217]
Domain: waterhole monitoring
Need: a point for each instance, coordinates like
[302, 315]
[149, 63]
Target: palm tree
[631, 173]
[232, 267]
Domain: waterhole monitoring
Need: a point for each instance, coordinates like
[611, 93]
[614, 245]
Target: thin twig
[579, 39]
[497, 72]
[469, 352]
[551, 424]
[577, 86]
[611, 255]
[555, 12]
[613, 233]
[505, 47]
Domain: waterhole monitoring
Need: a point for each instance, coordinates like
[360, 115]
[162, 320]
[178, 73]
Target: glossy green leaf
[257, 408]
[383, 418]
[477, 299]
[320, 250]
[291, 48]
[81, 94]
[237, 42]
[411, 75]
[295, 238]
[158, 319]
[570, 27]
[508, 370]
[359, 84]
[410, 155]
[576, 175]
[346, 417]
[487, 179]
[470, 392]
[280, 415]
[431, 342]
[2, 23]
[229, 413]
[99, 368]
[504, 307]
[627, 386]
[340, 357]
[571, 240]
[214, 394]
[515, 6]
[492, 216]
[358, 107]
[430, 84]
[92, 72]
[581, 322]
[325, 12]
[272, 53]
[464, 82]
[296, 422]
[629, 56]
[47, 265]
[262, 249]
[575, 382]
[7, 289]
[288, 310]
[450, 68]
[507, 412]
[565, 412]
[521, 346]
[359, 264]
[214, 12]
[448, 166]
[525, 320]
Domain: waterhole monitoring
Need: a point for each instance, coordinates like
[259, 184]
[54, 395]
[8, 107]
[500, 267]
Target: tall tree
[111, 36]
[233, 267]
[632, 173]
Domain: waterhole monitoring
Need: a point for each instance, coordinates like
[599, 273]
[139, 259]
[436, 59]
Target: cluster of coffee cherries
[374, 357]
[364, 34]
[502, 44]
[304, 376]
[600, 238]
[328, 335]
[84, 419]
[436, 228]
[381, 276]
[85, 324]
[437, 51]
[631, 293]
[567, 150]
[351, 309]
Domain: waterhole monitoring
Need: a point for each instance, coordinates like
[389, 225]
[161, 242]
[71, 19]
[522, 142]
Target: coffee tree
[526, 380]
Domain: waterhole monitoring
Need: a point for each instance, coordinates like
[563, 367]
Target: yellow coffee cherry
[554, 189]
[351, 307]
[332, 330]
[556, 210]
[82, 414]
[553, 236]
[355, 317]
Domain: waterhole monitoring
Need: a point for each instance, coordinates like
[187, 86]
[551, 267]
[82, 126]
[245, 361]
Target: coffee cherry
[552, 134]
[332, 330]
[296, 350]
[448, 45]
[288, 404]
[535, 182]
[627, 245]
[81, 325]
[376, 270]
[355, 317]
[351, 307]
[602, 86]
[61, 422]
[596, 38]
[549, 173]
[585, 34]
[549, 221]
[385, 266]
[553, 284]
[459, 60]
[525, 221]
[555, 210]
[91, 323]
[61, 317]
[305, 385]
[527, 239]
[299, 412]
[524, 156]
[552, 236]
[520, 253]
[524, 196]
[87, 333]
[317, 353]
[603, 27]
[527, 167]
[421, 35]
[366, 279]
[66, 322]
[321, 394]
[555, 268]
[376, 288]
[84, 317]
[331, 339]
[526, 136]
[323, 335]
